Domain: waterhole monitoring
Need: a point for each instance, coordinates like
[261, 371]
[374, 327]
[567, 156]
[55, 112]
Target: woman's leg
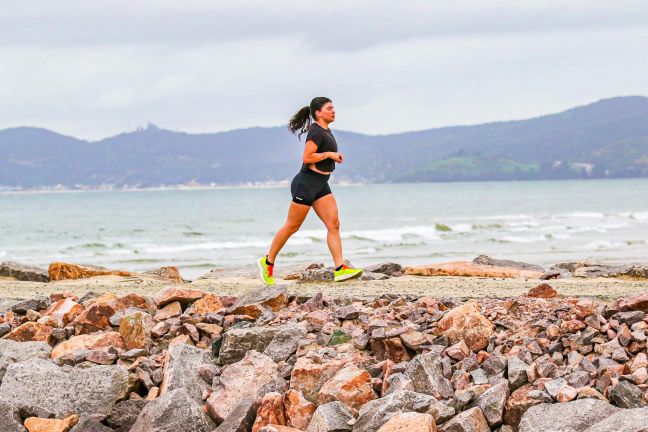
[296, 215]
[326, 209]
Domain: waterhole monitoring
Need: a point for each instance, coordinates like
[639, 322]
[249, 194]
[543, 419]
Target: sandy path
[447, 286]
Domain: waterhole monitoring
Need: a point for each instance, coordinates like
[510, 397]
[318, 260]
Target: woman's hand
[337, 157]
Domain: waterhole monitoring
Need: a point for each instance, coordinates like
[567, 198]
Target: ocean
[540, 222]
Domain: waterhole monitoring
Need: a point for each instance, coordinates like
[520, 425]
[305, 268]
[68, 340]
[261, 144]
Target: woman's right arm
[310, 155]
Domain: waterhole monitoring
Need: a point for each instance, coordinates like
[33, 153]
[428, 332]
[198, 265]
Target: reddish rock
[131, 301]
[135, 330]
[179, 294]
[94, 318]
[636, 303]
[409, 421]
[36, 424]
[350, 385]
[458, 351]
[56, 296]
[543, 290]
[278, 428]
[271, 411]
[297, 409]
[467, 268]
[416, 340]
[255, 302]
[208, 304]
[467, 323]
[308, 376]
[518, 403]
[169, 311]
[64, 311]
[93, 341]
[169, 273]
[61, 271]
[31, 331]
[471, 420]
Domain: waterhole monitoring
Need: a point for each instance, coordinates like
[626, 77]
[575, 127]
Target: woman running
[310, 188]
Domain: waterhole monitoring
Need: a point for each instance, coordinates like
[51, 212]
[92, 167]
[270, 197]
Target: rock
[467, 323]
[440, 411]
[61, 271]
[270, 411]
[297, 409]
[543, 290]
[572, 416]
[397, 382]
[237, 342]
[135, 330]
[520, 401]
[492, 402]
[330, 417]
[31, 331]
[91, 423]
[466, 268]
[239, 380]
[627, 395]
[388, 268]
[410, 421]
[23, 272]
[285, 342]
[629, 318]
[373, 276]
[64, 311]
[174, 411]
[169, 311]
[486, 260]
[35, 304]
[10, 420]
[278, 428]
[426, 373]
[316, 275]
[255, 302]
[93, 319]
[636, 303]
[242, 416]
[168, 273]
[627, 420]
[95, 341]
[41, 388]
[308, 376]
[377, 412]
[181, 369]
[35, 424]
[350, 385]
[349, 312]
[205, 305]
[179, 294]
[20, 351]
[471, 420]
[516, 372]
[124, 414]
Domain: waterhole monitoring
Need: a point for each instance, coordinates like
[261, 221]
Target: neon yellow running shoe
[346, 273]
[265, 271]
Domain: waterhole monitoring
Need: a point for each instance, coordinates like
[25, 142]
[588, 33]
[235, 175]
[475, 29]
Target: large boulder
[20, 351]
[181, 369]
[466, 323]
[409, 421]
[255, 302]
[23, 272]
[31, 331]
[575, 416]
[467, 268]
[41, 388]
[625, 420]
[174, 411]
[377, 412]
[61, 271]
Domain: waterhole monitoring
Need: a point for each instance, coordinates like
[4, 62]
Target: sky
[93, 69]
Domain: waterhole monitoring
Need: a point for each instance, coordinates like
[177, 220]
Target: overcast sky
[97, 68]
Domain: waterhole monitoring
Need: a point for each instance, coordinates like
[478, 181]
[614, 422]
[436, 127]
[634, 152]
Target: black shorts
[309, 186]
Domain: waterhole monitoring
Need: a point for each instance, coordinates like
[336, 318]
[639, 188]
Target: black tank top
[325, 143]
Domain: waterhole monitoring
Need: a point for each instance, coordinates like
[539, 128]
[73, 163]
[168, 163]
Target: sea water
[541, 222]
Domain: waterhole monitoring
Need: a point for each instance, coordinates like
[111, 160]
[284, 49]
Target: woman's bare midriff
[312, 166]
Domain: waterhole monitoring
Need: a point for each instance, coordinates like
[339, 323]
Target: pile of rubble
[190, 360]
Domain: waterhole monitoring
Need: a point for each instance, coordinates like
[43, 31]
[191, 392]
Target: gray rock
[242, 417]
[183, 367]
[398, 382]
[575, 416]
[41, 388]
[627, 420]
[349, 312]
[10, 420]
[285, 342]
[23, 272]
[124, 414]
[471, 420]
[492, 403]
[317, 275]
[516, 372]
[258, 299]
[373, 276]
[35, 304]
[627, 395]
[330, 417]
[426, 373]
[174, 411]
[91, 423]
[387, 268]
[14, 352]
[440, 411]
[4, 329]
[377, 412]
[486, 260]
[629, 317]
[237, 342]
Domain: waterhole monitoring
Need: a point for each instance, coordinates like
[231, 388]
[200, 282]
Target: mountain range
[605, 139]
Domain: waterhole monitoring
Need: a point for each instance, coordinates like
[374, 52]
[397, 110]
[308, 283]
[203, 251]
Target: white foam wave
[580, 215]
[461, 227]
[601, 244]
[522, 239]
[387, 235]
[155, 249]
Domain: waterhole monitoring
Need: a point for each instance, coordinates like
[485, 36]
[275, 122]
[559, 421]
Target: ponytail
[302, 119]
